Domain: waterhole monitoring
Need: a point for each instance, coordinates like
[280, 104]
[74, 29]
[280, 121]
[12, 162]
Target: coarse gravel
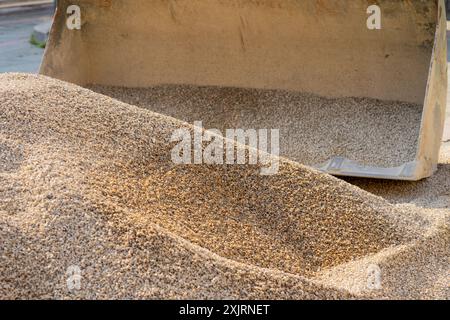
[87, 181]
[313, 129]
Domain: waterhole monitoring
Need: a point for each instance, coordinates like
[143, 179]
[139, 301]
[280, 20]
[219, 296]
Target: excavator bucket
[356, 87]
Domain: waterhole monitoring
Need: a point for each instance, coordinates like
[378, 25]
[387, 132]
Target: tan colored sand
[433, 192]
[313, 129]
[86, 180]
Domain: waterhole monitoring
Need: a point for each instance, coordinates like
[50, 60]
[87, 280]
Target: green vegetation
[37, 43]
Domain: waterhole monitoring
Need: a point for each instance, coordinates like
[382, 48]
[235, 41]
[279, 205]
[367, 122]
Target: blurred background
[24, 25]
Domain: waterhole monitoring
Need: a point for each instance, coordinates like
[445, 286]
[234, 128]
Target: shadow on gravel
[433, 192]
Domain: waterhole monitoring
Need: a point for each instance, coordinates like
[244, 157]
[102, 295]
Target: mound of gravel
[88, 189]
[313, 129]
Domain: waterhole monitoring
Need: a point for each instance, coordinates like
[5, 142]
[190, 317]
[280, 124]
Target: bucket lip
[424, 164]
[340, 166]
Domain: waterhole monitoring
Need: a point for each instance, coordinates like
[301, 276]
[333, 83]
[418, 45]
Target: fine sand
[87, 182]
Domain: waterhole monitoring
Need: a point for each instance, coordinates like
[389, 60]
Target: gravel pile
[313, 129]
[87, 184]
[430, 193]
